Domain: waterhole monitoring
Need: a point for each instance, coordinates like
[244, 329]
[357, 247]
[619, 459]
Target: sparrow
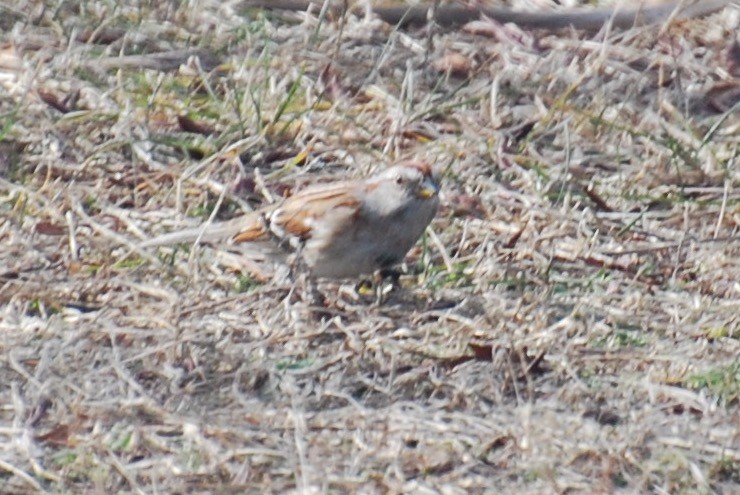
[336, 230]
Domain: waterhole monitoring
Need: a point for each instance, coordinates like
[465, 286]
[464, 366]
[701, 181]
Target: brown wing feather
[297, 214]
[254, 229]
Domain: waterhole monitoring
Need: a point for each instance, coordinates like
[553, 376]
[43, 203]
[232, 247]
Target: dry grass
[577, 333]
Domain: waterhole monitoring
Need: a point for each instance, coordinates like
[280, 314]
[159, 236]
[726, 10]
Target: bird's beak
[428, 188]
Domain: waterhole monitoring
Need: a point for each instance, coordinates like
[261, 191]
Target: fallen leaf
[48, 228]
[190, 125]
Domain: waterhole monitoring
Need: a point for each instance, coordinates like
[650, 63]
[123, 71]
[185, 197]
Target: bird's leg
[311, 293]
[295, 273]
[394, 274]
[304, 280]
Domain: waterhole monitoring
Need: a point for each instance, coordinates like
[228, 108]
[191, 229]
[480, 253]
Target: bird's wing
[296, 216]
[293, 219]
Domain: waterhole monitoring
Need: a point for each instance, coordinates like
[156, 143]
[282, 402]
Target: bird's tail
[214, 233]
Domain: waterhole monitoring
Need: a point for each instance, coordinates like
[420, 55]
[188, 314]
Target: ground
[568, 324]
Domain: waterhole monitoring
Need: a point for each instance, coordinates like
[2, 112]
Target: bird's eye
[400, 180]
